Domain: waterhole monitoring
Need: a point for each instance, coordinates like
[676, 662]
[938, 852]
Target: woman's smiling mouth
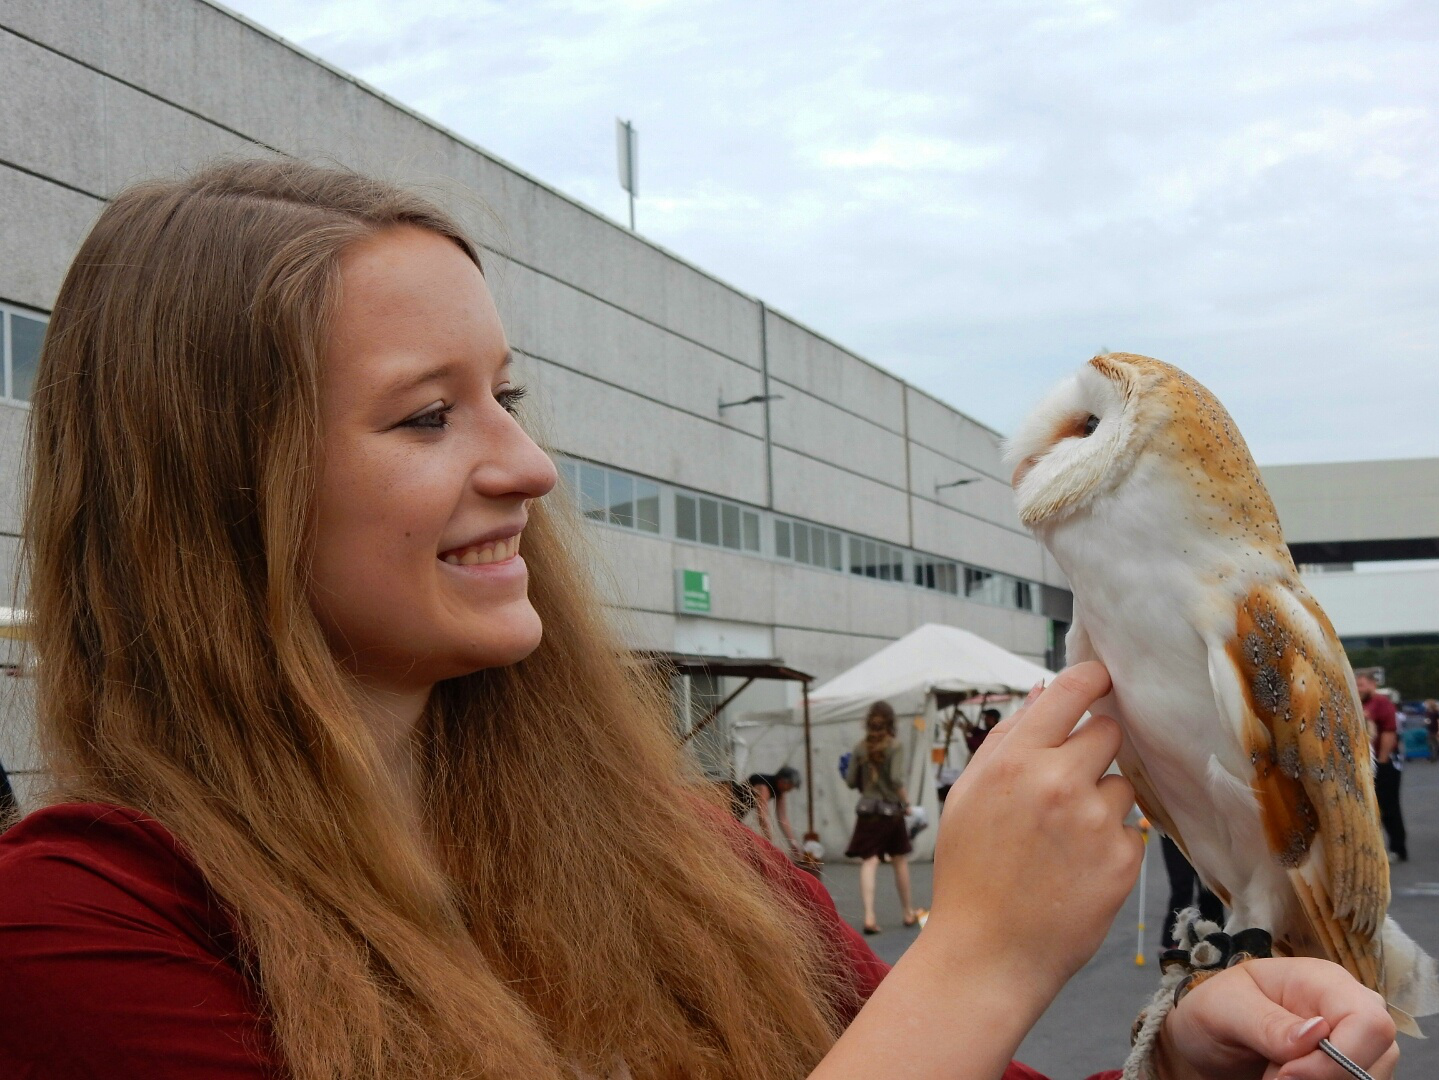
[491, 551]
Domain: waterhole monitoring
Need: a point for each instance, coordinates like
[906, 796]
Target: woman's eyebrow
[403, 383]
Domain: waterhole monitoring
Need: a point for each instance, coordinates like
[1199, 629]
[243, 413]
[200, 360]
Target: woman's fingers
[1091, 749]
[1277, 1010]
[1117, 793]
[1050, 719]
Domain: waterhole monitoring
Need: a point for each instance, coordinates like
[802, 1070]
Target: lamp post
[627, 146]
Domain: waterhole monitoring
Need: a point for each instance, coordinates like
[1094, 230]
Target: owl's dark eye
[1090, 424]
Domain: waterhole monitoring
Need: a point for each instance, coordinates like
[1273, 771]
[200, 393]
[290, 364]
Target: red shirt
[117, 961]
[1379, 711]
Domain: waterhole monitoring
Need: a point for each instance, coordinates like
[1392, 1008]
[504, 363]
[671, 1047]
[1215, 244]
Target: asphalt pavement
[1086, 1029]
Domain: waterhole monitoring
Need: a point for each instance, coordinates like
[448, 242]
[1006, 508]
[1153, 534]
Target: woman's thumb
[1280, 1036]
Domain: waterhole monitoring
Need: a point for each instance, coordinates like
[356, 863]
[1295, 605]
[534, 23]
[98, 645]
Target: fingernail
[1034, 692]
[1306, 1027]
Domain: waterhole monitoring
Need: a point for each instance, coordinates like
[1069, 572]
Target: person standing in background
[1185, 891]
[769, 789]
[1431, 725]
[1384, 732]
[876, 771]
[974, 734]
[9, 805]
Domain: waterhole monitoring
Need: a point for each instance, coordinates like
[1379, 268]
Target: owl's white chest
[1142, 599]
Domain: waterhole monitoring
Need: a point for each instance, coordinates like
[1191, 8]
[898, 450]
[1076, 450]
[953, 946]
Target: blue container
[1416, 743]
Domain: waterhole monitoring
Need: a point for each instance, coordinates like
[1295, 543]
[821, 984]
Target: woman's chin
[503, 645]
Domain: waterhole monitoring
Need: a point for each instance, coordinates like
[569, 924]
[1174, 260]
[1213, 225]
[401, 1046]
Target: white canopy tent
[923, 673]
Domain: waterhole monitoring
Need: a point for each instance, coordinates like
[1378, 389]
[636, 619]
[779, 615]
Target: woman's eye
[1090, 424]
[510, 398]
[435, 418]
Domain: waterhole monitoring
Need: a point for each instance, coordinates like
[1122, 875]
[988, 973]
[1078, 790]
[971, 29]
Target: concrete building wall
[1350, 504]
[628, 348]
[1379, 603]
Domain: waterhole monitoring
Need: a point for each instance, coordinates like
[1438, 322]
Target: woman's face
[426, 476]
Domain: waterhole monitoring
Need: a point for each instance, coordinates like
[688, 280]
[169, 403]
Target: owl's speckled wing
[1283, 681]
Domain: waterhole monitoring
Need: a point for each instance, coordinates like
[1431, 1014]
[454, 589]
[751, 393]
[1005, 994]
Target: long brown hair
[879, 731]
[572, 906]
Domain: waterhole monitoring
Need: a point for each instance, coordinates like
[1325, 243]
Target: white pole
[1143, 881]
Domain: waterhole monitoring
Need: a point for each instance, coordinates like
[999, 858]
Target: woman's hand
[1264, 1019]
[1033, 858]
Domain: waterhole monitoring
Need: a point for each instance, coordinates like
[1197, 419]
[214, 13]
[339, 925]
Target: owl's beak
[1023, 470]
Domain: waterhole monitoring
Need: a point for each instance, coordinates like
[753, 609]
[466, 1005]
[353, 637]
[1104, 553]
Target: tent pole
[810, 834]
[709, 719]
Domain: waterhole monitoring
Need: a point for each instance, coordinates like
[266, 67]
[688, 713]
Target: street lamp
[955, 483]
[755, 400]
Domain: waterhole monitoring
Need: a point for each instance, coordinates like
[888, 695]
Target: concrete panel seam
[141, 90]
[889, 430]
[51, 180]
[635, 393]
[892, 487]
[618, 307]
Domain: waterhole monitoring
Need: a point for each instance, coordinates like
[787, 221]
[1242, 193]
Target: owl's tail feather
[1411, 978]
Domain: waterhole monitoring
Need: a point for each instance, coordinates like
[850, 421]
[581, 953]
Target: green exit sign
[693, 587]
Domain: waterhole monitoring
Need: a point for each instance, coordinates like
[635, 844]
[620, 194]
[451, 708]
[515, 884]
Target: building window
[615, 498]
[939, 574]
[626, 501]
[870, 558]
[21, 334]
[710, 521]
[812, 545]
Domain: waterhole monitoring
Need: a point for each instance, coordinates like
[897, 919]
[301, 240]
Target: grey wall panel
[54, 114]
[557, 322]
[985, 498]
[812, 598]
[11, 588]
[818, 491]
[973, 540]
[1357, 500]
[13, 422]
[44, 225]
[824, 655]
[637, 570]
[591, 419]
[146, 138]
[811, 426]
[801, 358]
[955, 436]
[741, 587]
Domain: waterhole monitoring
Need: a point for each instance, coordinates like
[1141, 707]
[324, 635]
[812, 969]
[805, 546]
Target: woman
[876, 770]
[296, 696]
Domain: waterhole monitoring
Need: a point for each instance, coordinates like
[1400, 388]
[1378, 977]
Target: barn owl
[1243, 733]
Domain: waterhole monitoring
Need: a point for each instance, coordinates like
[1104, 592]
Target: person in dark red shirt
[314, 816]
[1388, 760]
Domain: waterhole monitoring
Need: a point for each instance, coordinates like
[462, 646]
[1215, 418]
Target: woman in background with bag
[876, 771]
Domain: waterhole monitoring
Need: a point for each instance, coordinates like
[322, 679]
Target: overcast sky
[978, 196]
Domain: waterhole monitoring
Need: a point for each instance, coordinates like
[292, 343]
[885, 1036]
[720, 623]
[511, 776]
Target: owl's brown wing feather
[1289, 692]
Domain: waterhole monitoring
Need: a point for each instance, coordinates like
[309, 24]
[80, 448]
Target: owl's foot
[1203, 951]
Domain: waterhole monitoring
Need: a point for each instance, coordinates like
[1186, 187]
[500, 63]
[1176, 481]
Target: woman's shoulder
[95, 866]
[107, 928]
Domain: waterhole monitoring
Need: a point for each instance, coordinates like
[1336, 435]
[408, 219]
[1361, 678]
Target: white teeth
[496, 551]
